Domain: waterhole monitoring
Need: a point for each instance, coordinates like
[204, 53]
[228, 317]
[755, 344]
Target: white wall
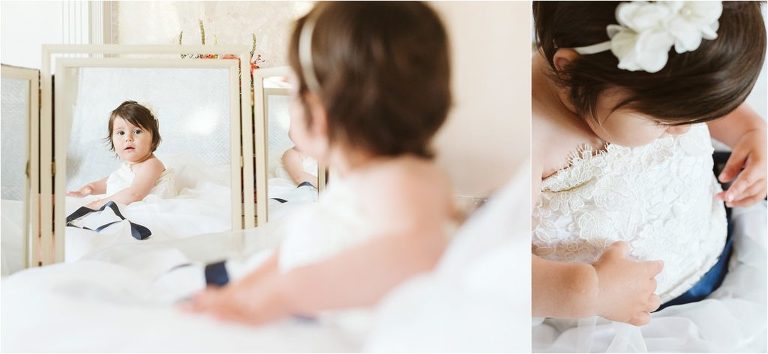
[488, 131]
[229, 22]
[487, 136]
[25, 26]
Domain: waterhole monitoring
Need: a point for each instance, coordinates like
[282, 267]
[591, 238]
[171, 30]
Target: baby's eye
[120, 132]
[137, 131]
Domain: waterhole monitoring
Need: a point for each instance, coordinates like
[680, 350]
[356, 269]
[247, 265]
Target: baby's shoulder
[150, 166]
[406, 185]
[555, 139]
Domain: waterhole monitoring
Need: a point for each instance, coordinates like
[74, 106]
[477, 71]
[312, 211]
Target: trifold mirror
[201, 115]
[229, 162]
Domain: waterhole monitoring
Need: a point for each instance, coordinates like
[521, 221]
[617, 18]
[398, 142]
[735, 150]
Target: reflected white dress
[123, 177]
[659, 198]
[186, 200]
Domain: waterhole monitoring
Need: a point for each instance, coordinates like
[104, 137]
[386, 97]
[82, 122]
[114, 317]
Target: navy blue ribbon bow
[138, 232]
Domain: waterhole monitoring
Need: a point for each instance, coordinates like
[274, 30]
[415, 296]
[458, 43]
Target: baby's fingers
[743, 182]
[653, 268]
[734, 164]
[654, 302]
[746, 201]
[756, 190]
[640, 319]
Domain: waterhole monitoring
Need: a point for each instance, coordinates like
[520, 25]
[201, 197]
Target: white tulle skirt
[731, 319]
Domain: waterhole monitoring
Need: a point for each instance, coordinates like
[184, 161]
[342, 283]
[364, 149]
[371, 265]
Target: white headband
[305, 54]
[647, 31]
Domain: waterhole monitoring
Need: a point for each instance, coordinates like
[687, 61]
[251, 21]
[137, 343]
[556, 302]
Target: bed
[103, 302]
[201, 205]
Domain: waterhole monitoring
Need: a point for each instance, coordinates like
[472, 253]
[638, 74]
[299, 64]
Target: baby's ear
[563, 57]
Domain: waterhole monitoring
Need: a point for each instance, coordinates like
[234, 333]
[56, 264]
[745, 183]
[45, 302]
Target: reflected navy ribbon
[138, 232]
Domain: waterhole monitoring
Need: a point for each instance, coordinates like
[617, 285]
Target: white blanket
[478, 299]
[110, 302]
[195, 211]
[107, 303]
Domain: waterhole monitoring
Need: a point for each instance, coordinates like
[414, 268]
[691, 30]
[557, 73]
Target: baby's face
[307, 140]
[132, 143]
[628, 128]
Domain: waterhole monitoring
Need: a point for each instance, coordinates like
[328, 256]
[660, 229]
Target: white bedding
[285, 189]
[478, 298]
[109, 301]
[106, 302]
[732, 319]
[201, 206]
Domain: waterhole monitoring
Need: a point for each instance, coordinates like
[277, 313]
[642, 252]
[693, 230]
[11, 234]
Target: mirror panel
[16, 115]
[197, 109]
[292, 176]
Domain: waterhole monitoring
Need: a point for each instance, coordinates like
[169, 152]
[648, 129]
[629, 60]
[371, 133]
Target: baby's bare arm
[362, 275]
[146, 175]
[95, 187]
[561, 289]
[292, 164]
[615, 287]
[358, 276]
[730, 128]
[412, 208]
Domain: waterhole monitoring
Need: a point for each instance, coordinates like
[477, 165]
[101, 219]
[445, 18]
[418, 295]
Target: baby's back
[658, 197]
[400, 196]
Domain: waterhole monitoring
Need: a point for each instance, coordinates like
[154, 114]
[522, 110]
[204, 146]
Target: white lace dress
[659, 198]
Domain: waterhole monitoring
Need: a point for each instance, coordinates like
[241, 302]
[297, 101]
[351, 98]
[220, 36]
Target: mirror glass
[292, 176]
[15, 118]
[194, 110]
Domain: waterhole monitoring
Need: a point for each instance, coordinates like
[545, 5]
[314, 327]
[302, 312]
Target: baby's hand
[749, 187]
[96, 204]
[241, 302]
[626, 287]
[82, 192]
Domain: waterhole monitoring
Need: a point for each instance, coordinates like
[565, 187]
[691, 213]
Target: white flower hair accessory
[646, 32]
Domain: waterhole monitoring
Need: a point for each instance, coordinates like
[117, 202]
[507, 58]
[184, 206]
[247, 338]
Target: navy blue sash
[138, 232]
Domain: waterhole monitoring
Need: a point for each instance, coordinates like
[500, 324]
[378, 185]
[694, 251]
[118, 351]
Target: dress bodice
[659, 198]
[322, 229]
[123, 177]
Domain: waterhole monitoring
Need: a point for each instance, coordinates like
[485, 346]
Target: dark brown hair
[137, 115]
[696, 86]
[383, 71]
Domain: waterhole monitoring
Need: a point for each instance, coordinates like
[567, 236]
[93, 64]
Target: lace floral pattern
[659, 198]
